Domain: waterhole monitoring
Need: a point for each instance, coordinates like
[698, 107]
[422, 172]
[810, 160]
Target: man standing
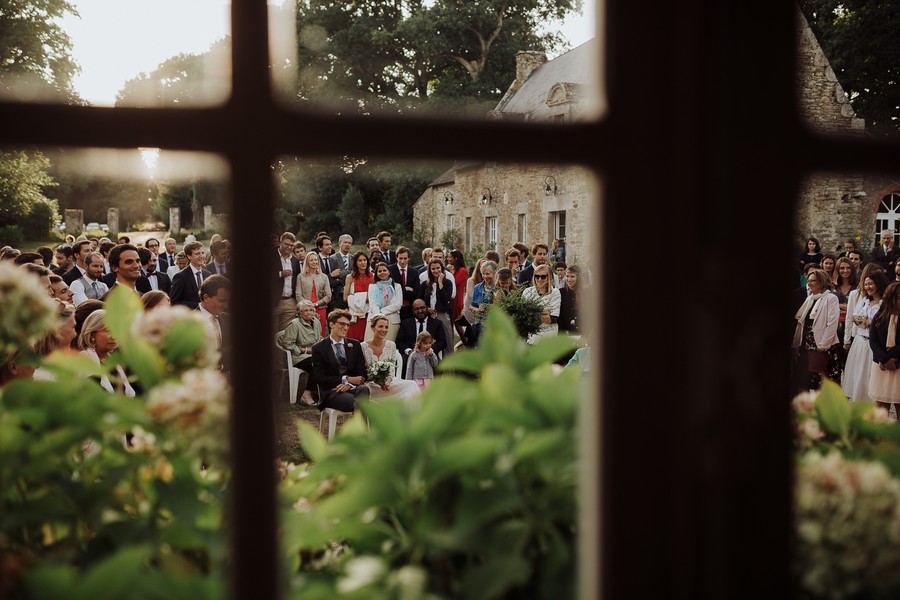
[426, 258]
[152, 244]
[342, 259]
[79, 251]
[339, 368]
[167, 259]
[333, 267]
[186, 285]
[384, 244]
[218, 250]
[855, 257]
[410, 328]
[286, 281]
[90, 287]
[63, 259]
[406, 278]
[125, 263]
[155, 279]
[884, 254]
[215, 296]
[512, 261]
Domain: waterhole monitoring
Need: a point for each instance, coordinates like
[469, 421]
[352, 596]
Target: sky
[114, 40]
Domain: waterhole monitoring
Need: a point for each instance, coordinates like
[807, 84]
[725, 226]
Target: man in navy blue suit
[339, 367]
[155, 279]
[186, 285]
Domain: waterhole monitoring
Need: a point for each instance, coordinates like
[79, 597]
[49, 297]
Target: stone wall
[516, 190]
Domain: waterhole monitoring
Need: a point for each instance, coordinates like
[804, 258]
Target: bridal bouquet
[380, 371]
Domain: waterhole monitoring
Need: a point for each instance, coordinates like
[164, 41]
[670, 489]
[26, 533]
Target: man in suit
[63, 259]
[218, 252]
[332, 266]
[154, 279]
[345, 259]
[426, 258]
[167, 258]
[215, 296]
[541, 253]
[384, 244]
[885, 254]
[186, 285]
[79, 251]
[152, 244]
[125, 262]
[407, 279]
[410, 328]
[285, 281]
[339, 367]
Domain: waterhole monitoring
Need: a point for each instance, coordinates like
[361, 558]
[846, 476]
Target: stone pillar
[74, 221]
[112, 219]
[208, 222]
[174, 220]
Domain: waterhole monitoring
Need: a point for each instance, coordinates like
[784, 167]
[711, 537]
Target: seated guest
[339, 367]
[411, 327]
[301, 335]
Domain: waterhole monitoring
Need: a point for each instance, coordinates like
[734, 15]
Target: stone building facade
[837, 206]
[492, 205]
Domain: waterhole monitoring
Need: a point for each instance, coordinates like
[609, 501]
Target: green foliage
[11, 235]
[860, 40]
[352, 212]
[524, 311]
[23, 178]
[35, 51]
[86, 515]
[474, 254]
[451, 239]
[472, 495]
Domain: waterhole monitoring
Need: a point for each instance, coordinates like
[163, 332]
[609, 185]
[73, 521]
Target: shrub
[11, 235]
[525, 312]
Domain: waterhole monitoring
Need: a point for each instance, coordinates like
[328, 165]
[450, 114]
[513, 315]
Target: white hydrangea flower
[28, 310]
[153, 326]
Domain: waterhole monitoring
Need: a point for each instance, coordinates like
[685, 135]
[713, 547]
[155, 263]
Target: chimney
[527, 62]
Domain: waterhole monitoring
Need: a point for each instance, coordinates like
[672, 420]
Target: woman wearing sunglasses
[543, 290]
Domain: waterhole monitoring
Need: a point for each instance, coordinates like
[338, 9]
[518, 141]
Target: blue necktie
[339, 350]
[94, 286]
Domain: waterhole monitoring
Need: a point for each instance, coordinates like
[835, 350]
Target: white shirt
[173, 271]
[286, 266]
[153, 279]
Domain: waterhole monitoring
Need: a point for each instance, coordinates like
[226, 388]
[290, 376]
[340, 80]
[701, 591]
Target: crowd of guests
[846, 321]
[337, 311]
[80, 274]
[373, 305]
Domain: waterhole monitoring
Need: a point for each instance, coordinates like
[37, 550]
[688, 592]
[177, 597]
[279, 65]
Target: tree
[352, 212]
[24, 209]
[859, 37]
[396, 55]
[35, 52]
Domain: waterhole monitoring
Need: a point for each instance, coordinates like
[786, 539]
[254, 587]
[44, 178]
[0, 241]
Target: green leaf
[184, 339]
[121, 308]
[144, 360]
[500, 342]
[548, 350]
[312, 442]
[889, 455]
[114, 577]
[463, 361]
[494, 578]
[50, 581]
[66, 362]
[834, 410]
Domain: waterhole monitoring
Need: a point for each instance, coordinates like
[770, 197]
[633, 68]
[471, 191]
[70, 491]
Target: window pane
[440, 57]
[165, 53]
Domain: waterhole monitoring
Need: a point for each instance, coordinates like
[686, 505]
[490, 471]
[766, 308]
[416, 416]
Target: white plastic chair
[332, 414]
[292, 371]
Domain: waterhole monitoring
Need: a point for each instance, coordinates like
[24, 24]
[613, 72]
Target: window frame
[695, 464]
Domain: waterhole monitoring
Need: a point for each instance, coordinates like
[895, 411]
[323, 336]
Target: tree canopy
[35, 52]
[373, 54]
[860, 39]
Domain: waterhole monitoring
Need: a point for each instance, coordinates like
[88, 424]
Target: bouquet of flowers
[380, 371]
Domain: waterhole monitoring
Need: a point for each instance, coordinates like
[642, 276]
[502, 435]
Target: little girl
[423, 361]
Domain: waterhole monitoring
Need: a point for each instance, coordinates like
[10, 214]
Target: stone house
[837, 206]
[493, 205]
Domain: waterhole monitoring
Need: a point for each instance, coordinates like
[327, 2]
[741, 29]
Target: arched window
[888, 216]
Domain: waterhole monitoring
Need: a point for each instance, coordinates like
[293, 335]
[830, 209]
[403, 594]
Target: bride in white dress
[379, 348]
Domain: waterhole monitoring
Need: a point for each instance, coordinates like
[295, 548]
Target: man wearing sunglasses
[339, 367]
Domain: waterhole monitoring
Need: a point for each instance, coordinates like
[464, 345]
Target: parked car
[104, 227]
[92, 226]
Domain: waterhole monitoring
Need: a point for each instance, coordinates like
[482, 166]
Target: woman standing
[543, 290]
[569, 296]
[855, 379]
[482, 295]
[437, 293]
[828, 262]
[812, 254]
[385, 298]
[884, 382]
[96, 343]
[853, 298]
[815, 335]
[379, 348]
[313, 285]
[356, 295]
[456, 263]
[845, 281]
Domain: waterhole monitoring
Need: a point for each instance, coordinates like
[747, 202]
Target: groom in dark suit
[339, 367]
[185, 287]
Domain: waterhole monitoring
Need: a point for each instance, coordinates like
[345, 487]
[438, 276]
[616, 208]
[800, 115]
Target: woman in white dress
[380, 348]
[543, 290]
[855, 380]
